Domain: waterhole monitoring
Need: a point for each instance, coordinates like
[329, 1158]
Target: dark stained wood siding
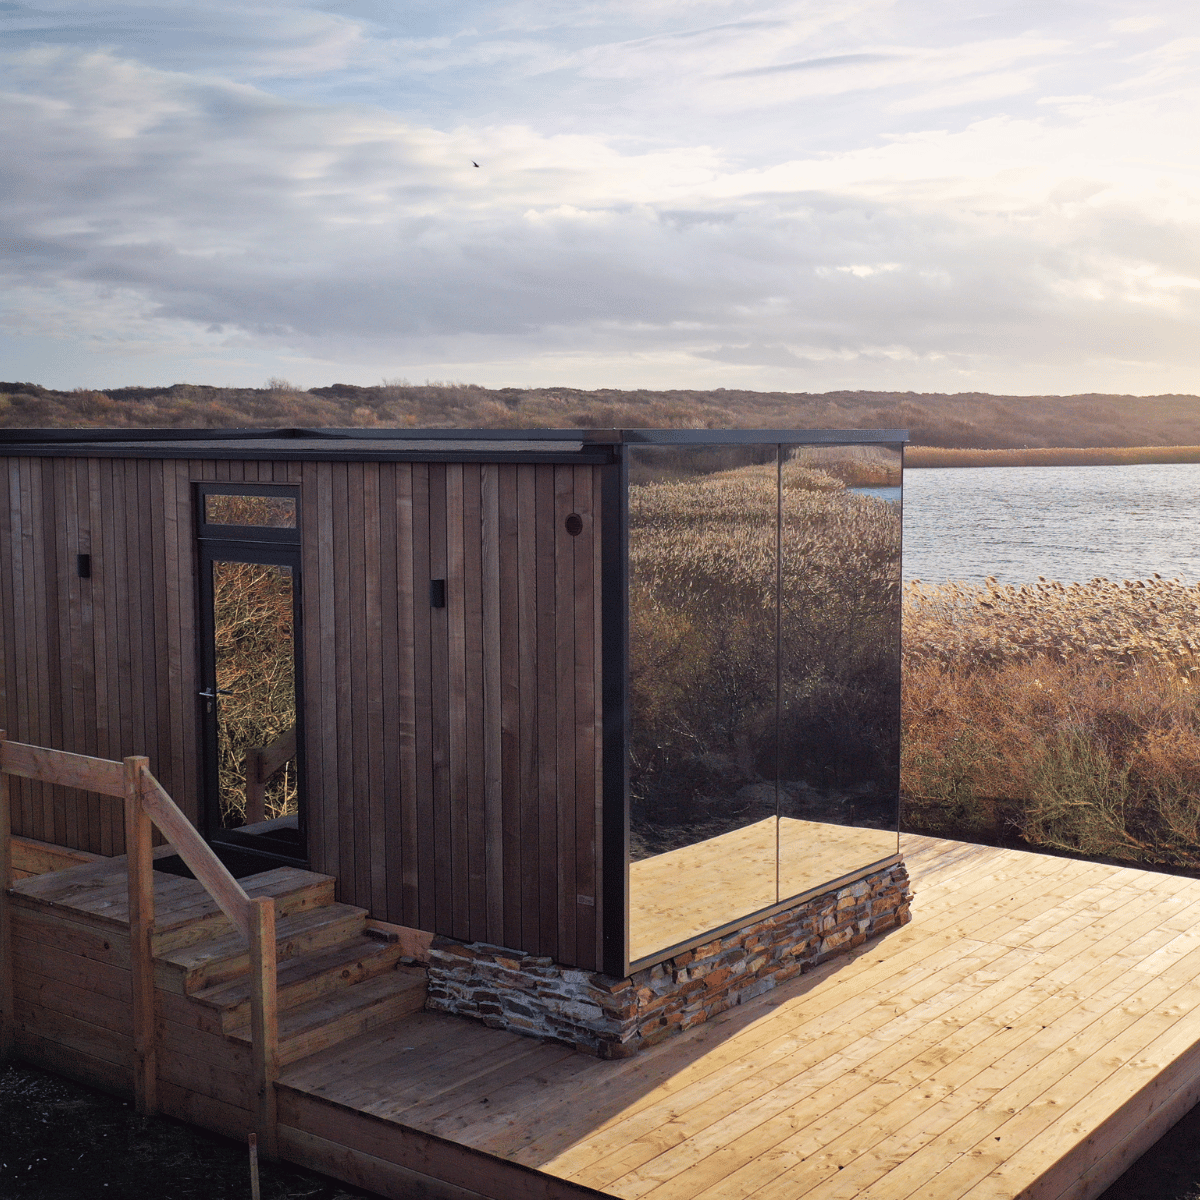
[106, 665]
[452, 754]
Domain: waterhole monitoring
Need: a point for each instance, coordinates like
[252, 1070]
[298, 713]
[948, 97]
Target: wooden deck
[686, 892]
[1028, 1034]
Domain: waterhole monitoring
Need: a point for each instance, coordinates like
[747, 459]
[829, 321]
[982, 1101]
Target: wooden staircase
[335, 980]
[188, 992]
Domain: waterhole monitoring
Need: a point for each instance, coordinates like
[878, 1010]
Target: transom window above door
[248, 512]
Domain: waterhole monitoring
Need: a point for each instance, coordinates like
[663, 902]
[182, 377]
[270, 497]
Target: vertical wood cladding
[104, 665]
[452, 754]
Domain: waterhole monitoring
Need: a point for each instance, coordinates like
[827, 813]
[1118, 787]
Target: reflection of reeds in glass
[252, 606]
[1067, 714]
[271, 512]
[855, 466]
[702, 639]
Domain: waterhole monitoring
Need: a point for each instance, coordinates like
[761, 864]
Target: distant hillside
[967, 419]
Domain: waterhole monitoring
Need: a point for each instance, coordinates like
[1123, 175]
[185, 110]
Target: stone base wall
[615, 1018]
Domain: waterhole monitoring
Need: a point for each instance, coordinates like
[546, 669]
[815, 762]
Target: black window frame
[212, 532]
[267, 545]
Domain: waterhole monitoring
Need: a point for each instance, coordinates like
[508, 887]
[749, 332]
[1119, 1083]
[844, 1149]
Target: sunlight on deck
[683, 893]
[1031, 1032]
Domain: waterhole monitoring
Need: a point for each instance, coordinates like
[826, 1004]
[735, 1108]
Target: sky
[879, 194]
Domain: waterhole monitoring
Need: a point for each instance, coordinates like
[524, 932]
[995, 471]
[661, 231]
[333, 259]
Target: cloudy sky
[909, 194]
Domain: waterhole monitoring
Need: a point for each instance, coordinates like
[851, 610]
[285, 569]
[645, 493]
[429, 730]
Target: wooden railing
[261, 763]
[147, 804]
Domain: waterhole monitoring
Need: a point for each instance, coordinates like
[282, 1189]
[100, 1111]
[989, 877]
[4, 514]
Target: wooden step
[301, 980]
[345, 1013]
[293, 890]
[98, 894]
[218, 960]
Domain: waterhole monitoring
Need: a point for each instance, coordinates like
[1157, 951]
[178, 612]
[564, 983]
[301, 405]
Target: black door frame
[248, 544]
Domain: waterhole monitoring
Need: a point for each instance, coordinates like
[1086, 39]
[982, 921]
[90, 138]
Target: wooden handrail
[261, 763]
[139, 863]
[67, 770]
[147, 803]
[231, 898]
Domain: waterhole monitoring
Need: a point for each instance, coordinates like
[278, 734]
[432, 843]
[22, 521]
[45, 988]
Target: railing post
[264, 1021]
[7, 965]
[140, 864]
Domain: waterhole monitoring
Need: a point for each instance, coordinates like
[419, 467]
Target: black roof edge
[661, 437]
[725, 437]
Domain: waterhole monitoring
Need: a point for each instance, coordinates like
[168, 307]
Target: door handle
[212, 694]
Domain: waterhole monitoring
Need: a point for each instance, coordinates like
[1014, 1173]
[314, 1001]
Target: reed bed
[1049, 456]
[1064, 715]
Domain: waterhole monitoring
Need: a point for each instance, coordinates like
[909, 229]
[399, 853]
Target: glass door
[248, 699]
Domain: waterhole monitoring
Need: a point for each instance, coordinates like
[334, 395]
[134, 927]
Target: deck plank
[1035, 1026]
[1031, 999]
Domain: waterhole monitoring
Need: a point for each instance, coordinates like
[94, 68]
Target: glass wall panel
[839, 748]
[703, 526]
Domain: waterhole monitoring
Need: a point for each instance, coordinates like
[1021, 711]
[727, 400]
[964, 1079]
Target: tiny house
[596, 696]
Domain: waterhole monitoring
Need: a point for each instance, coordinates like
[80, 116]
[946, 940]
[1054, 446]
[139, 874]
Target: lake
[1066, 523]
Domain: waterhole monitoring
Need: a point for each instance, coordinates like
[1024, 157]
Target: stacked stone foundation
[615, 1018]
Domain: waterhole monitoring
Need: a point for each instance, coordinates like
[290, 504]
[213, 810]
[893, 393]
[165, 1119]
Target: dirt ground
[62, 1141]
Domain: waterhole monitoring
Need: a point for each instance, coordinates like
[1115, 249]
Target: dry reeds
[1049, 456]
[1065, 715]
[1129, 622]
[255, 663]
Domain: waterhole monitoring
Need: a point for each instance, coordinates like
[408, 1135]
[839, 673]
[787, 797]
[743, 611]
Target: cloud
[815, 64]
[160, 210]
[1137, 24]
[236, 40]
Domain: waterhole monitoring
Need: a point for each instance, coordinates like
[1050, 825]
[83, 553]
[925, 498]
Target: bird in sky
[474, 163]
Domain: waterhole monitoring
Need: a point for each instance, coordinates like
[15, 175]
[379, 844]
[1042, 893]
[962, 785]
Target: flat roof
[572, 445]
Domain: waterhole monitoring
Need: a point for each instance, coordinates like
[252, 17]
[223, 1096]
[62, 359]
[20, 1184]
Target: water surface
[1066, 523]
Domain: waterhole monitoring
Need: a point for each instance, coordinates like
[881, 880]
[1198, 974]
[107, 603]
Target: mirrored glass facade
[764, 587]
[839, 662]
[702, 682]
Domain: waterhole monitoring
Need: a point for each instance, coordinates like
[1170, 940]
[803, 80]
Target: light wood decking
[686, 892]
[1029, 1034]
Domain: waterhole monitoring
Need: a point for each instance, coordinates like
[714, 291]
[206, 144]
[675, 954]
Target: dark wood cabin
[487, 732]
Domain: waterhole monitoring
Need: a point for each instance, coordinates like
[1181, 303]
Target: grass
[1067, 716]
